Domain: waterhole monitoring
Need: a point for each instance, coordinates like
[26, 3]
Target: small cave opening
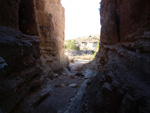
[27, 18]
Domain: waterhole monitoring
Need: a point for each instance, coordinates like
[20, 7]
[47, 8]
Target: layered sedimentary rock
[31, 42]
[51, 25]
[20, 71]
[44, 18]
[122, 85]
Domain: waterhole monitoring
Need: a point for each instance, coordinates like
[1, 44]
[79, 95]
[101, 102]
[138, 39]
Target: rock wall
[9, 13]
[31, 46]
[122, 85]
[20, 71]
[27, 18]
[51, 25]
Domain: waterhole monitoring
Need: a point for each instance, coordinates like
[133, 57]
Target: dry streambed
[67, 91]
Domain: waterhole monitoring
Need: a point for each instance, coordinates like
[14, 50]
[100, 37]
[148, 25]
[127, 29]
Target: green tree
[71, 44]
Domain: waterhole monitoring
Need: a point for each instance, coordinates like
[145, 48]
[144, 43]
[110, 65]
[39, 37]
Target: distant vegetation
[84, 48]
[71, 45]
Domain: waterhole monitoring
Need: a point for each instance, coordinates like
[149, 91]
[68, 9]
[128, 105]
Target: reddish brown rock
[43, 18]
[134, 19]
[19, 14]
[20, 67]
[51, 24]
[27, 17]
[9, 13]
[24, 57]
[122, 85]
[109, 22]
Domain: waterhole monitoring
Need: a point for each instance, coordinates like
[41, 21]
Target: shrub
[71, 44]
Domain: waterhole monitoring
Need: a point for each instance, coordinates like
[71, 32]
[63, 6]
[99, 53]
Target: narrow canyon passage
[68, 90]
[37, 77]
[65, 89]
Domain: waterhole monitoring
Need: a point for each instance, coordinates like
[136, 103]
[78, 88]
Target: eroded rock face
[122, 85]
[20, 68]
[9, 13]
[27, 17]
[51, 24]
[43, 18]
[24, 57]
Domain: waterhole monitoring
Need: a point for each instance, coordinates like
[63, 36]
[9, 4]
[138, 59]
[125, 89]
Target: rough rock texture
[27, 17]
[123, 83]
[43, 18]
[20, 70]
[51, 23]
[9, 13]
[25, 56]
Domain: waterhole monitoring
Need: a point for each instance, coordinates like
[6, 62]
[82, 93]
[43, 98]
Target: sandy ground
[62, 92]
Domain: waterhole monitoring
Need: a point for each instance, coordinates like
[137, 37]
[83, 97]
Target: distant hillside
[84, 43]
[91, 38]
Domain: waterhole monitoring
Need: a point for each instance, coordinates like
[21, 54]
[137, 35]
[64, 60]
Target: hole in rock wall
[27, 19]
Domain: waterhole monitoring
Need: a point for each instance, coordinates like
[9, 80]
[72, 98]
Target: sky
[81, 18]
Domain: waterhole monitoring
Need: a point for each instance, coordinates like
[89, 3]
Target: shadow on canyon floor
[68, 89]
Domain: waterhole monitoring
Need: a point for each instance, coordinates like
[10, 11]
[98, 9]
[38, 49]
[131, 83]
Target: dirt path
[65, 88]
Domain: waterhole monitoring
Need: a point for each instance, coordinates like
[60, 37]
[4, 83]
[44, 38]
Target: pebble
[73, 85]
